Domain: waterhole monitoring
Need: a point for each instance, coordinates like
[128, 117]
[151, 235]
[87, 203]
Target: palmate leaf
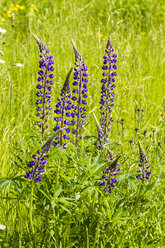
[6, 183]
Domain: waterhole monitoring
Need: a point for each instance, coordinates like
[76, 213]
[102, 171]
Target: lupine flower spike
[44, 86]
[63, 114]
[109, 176]
[107, 89]
[39, 161]
[80, 81]
[143, 164]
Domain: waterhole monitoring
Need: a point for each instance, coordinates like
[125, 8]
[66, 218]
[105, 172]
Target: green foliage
[68, 208]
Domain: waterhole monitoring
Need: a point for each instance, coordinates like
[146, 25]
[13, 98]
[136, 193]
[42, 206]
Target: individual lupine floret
[80, 94]
[107, 89]
[144, 173]
[109, 176]
[44, 86]
[63, 114]
[39, 161]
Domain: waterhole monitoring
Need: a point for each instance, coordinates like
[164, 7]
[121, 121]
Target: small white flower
[2, 227]
[18, 64]
[2, 61]
[2, 30]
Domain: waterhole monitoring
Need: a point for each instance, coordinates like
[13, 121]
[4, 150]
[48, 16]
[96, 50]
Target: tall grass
[68, 209]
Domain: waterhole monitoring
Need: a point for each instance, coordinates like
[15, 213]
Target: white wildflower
[2, 30]
[2, 61]
[2, 227]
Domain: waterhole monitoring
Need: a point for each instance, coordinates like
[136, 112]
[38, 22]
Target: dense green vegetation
[68, 208]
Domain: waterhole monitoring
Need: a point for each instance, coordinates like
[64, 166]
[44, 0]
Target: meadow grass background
[69, 209]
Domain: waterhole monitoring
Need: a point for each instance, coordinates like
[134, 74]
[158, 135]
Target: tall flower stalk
[44, 87]
[144, 173]
[63, 114]
[37, 165]
[107, 89]
[80, 94]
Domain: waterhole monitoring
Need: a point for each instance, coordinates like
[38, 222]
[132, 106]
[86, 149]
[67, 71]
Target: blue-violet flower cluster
[36, 166]
[44, 86]
[107, 89]
[109, 176]
[80, 94]
[63, 114]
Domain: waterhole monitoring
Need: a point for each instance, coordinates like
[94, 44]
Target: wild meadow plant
[43, 110]
[70, 113]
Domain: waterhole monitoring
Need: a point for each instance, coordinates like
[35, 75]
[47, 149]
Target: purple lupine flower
[144, 172]
[44, 86]
[63, 111]
[36, 166]
[109, 177]
[79, 100]
[107, 89]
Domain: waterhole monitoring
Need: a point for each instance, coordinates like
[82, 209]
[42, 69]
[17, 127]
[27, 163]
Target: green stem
[31, 207]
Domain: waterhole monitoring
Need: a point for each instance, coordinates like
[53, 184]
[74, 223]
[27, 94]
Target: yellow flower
[100, 35]
[9, 14]
[15, 9]
[32, 6]
[21, 7]
[3, 19]
[36, 9]
[11, 4]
